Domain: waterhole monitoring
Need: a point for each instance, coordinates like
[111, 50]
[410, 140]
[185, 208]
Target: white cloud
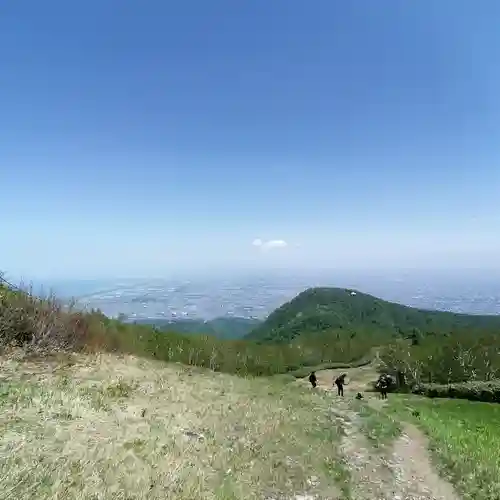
[275, 244]
[270, 244]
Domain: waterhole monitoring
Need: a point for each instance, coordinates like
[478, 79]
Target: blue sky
[142, 138]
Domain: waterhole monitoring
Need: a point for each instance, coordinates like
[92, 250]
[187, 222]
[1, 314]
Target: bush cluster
[42, 324]
[445, 358]
[488, 392]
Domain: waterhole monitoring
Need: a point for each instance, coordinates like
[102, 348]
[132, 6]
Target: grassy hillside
[327, 310]
[225, 327]
[112, 427]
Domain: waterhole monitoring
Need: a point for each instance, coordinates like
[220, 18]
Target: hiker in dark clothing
[313, 379]
[340, 382]
[383, 384]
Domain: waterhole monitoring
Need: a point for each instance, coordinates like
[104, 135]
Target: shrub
[488, 392]
[41, 324]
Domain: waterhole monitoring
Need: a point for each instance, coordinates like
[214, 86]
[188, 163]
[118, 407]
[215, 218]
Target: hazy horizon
[221, 274]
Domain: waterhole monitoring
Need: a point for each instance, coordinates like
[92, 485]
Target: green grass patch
[380, 428]
[464, 437]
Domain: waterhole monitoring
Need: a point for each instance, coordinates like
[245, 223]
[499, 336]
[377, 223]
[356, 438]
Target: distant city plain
[256, 295]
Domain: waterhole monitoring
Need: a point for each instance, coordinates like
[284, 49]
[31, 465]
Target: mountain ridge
[321, 309]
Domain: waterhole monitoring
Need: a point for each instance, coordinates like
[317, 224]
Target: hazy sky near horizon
[141, 138]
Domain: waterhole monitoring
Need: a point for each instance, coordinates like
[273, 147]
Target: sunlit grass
[125, 428]
[464, 437]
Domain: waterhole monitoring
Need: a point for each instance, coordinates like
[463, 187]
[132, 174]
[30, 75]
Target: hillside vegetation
[43, 325]
[224, 327]
[313, 330]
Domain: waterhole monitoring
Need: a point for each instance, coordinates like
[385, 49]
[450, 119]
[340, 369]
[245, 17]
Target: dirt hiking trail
[401, 471]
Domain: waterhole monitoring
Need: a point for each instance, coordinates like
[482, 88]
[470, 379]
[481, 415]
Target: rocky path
[401, 472]
[412, 468]
[404, 472]
[370, 476]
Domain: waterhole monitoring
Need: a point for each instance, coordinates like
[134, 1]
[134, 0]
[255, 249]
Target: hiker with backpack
[383, 384]
[340, 382]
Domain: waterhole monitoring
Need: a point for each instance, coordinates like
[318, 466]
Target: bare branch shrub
[43, 324]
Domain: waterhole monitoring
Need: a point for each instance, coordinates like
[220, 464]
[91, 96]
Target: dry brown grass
[102, 427]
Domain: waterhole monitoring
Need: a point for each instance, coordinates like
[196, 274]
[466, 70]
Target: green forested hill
[222, 328]
[338, 310]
